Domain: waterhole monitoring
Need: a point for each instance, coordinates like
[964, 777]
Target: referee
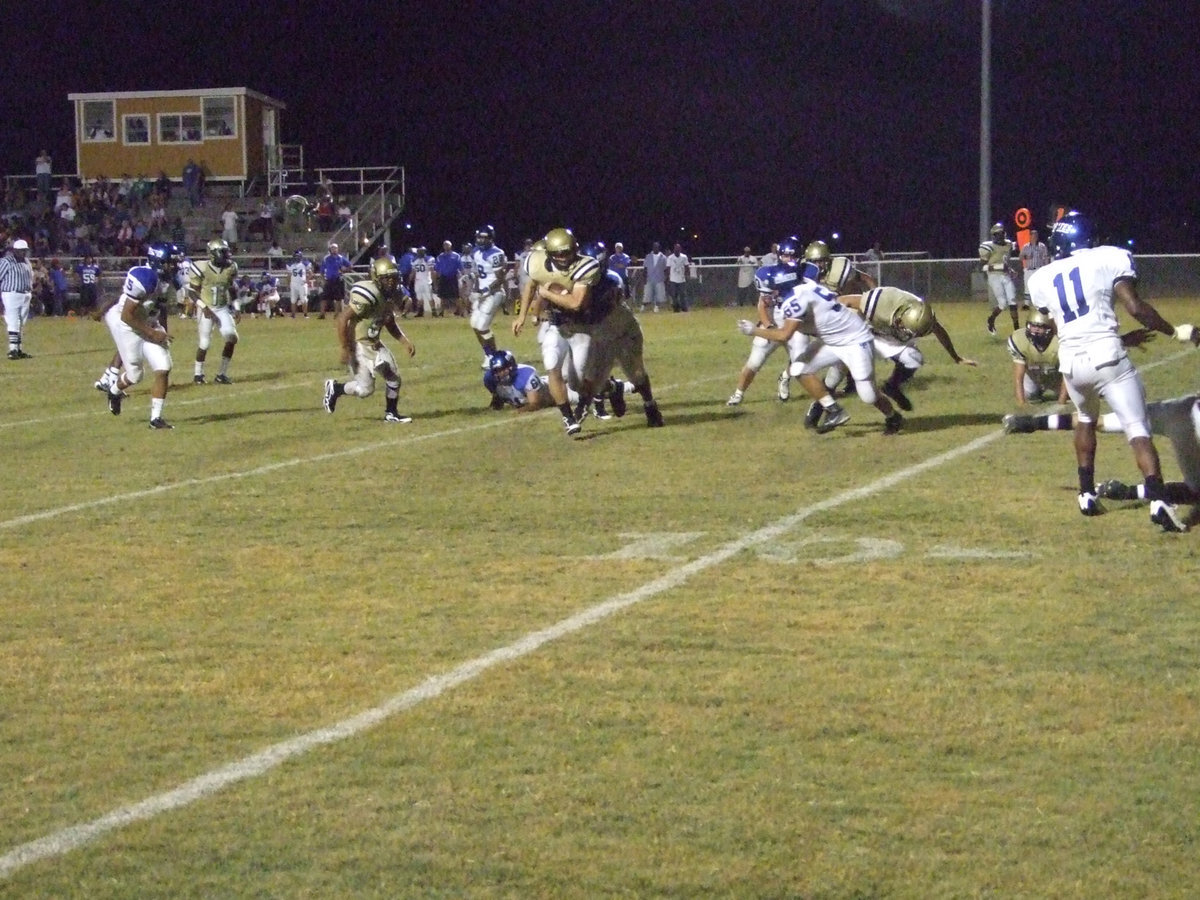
[16, 288]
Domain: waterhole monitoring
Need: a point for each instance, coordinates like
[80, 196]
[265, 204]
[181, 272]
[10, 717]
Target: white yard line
[73, 837]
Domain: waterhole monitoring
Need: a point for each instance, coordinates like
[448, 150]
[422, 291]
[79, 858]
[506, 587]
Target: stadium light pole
[985, 119]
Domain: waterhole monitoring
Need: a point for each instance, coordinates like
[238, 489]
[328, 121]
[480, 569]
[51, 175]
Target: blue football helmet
[789, 246]
[1072, 232]
[485, 236]
[163, 256]
[595, 249]
[503, 365]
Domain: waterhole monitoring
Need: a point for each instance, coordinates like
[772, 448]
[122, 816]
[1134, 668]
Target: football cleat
[497, 402]
[991, 328]
[331, 395]
[734, 399]
[102, 386]
[222, 379]
[1166, 516]
[813, 415]
[21, 354]
[14, 354]
[654, 417]
[785, 385]
[616, 396]
[1117, 490]
[390, 416]
[571, 425]
[1089, 506]
[160, 423]
[1014, 424]
[833, 417]
[600, 411]
[199, 379]
[114, 402]
[893, 423]
[897, 396]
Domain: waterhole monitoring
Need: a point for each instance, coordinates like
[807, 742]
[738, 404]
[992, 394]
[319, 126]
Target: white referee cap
[19, 244]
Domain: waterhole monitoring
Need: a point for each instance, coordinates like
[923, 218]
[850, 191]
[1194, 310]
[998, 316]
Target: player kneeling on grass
[370, 308]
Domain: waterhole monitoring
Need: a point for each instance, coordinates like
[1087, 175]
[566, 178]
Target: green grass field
[279, 653]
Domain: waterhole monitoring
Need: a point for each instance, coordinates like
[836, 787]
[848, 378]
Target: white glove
[746, 327]
[1185, 334]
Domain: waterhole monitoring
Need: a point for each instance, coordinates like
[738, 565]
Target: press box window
[220, 119]
[137, 129]
[98, 121]
[179, 129]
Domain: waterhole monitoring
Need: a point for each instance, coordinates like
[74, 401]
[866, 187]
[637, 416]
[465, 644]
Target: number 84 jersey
[1077, 291]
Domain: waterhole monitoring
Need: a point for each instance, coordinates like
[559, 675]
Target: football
[556, 288]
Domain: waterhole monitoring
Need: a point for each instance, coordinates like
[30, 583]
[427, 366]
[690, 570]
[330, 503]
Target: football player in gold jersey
[210, 285]
[596, 321]
[369, 309]
[897, 319]
[1034, 353]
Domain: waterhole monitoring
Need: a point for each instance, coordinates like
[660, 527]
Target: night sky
[734, 122]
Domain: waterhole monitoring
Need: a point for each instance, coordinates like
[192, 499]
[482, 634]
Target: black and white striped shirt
[15, 277]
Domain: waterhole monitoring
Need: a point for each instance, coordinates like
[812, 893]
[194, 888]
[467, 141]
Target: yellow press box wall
[225, 130]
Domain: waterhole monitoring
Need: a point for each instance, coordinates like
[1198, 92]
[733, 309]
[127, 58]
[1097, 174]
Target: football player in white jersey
[136, 322]
[1078, 289]
[422, 283]
[842, 337]
[772, 281]
[299, 281]
[487, 294]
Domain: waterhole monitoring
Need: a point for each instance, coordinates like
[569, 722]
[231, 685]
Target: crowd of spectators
[103, 217]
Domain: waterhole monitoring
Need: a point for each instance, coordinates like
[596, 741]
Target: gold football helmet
[561, 246]
[818, 254]
[1039, 328]
[385, 274]
[913, 320]
[998, 230]
[219, 253]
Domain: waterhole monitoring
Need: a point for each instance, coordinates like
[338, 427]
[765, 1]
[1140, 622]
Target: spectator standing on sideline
[619, 262]
[43, 167]
[333, 266]
[446, 269]
[58, 283]
[677, 268]
[874, 257]
[746, 291]
[16, 290]
[654, 268]
[1034, 255]
[771, 257]
[89, 284]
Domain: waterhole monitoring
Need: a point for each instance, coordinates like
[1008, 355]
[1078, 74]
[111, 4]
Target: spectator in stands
[125, 242]
[274, 256]
[191, 183]
[178, 232]
[163, 185]
[325, 211]
[229, 225]
[64, 195]
[43, 167]
[264, 223]
[141, 234]
[343, 212]
[158, 212]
